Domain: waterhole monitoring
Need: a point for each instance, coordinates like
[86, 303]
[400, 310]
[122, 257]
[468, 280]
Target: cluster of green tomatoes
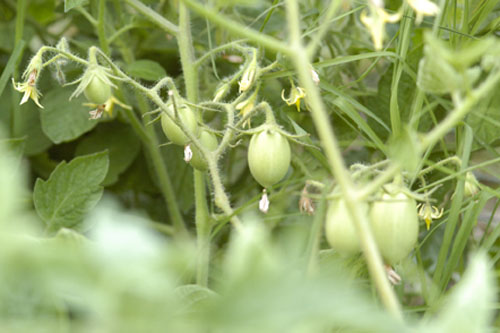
[393, 219]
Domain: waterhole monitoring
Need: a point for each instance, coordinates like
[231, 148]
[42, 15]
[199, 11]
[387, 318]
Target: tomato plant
[187, 166]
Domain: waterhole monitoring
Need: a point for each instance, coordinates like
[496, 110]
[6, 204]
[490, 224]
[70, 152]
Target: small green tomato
[209, 141]
[97, 91]
[340, 229]
[394, 223]
[268, 157]
[174, 132]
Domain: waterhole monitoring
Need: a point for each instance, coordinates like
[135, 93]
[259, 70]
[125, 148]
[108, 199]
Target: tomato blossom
[429, 213]
[296, 94]
[423, 8]
[376, 23]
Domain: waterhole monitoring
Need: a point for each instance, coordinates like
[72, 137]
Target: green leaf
[71, 191]
[146, 69]
[470, 306]
[64, 120]
[121, 142]
[485, 119]
[380, 104]
[43, 11]
[28, 125]
[404, 148]
[70, 4]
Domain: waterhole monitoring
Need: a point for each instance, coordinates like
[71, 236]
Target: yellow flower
[29, 89]
[423, 8]
[376, 23]
[245, 108]
[428, 213]
[296, 94]
[106, 107]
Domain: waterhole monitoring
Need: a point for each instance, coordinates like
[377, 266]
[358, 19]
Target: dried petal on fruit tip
[188, 153]
[264, 202]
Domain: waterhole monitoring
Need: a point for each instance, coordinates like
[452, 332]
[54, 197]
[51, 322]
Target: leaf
[380, 104]
[70, 4]
[64, 120]
[470, 306]
[485, 119]
[28, 125]
[404, 149]
[192, 296]
[146, 69]
[71, 191]
[121, 142]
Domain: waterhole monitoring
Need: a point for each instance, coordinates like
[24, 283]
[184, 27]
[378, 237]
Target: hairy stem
[202, 218]
[330, 144]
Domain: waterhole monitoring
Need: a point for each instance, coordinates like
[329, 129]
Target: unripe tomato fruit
[340, 229]
[209, 141]
[268, 157]
[174, 132]
[394, 223]
[97, 91]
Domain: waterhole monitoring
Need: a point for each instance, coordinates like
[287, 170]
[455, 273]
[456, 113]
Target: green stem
[402, 50]
[160, 169]
[203, 227]
[330, 144]
[20, 18]
[100, 27]
[20, 15]
[154, 17]
[313, 246]
[323, 28]
[237, 28]
[184, 40]
[150, 141]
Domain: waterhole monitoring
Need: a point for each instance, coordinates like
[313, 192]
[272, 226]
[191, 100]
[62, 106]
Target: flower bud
[471, 186]
[221, 92]
[249, 76]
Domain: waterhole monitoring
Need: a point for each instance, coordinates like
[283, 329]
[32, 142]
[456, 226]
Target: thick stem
[149, 140]
[154, 17]
[202, 229]
[190, 72]
[330, 144]
[100, 27]
[237, 28]
[186, 52]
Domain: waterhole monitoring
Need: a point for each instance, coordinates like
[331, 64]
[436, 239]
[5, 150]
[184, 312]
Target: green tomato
[268, 157]
[97, 91]
[209, 141]
[340, 229]
[394, 223]
[174, 132]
